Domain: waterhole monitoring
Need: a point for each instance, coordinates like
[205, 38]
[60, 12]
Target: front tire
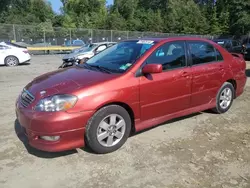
[224, 98]
[108, 129]
[11, 61]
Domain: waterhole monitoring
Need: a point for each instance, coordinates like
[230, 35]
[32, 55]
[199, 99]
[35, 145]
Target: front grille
[26, 98]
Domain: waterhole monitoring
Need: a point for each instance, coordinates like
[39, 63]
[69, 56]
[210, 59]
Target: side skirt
[141, 125]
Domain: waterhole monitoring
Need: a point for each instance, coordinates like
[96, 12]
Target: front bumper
[69, 126]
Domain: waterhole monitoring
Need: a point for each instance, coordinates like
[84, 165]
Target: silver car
[86, 52]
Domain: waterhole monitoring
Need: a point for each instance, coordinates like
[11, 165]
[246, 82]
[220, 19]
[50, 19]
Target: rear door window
[202, 52]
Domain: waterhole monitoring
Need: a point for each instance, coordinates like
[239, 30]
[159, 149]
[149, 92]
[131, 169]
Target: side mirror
[84, 60]
[152, 68]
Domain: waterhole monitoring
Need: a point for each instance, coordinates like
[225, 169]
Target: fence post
[14, 32]
[70, 36]
[44, 37]
[91, 35]
[127, 34]
[111, 37]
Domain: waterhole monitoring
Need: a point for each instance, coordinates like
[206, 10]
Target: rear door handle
[221, 67]
[184, 74]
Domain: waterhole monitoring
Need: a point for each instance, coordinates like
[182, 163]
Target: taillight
[25, 51]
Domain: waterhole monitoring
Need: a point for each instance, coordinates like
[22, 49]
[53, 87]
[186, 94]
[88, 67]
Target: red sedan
[131, 86]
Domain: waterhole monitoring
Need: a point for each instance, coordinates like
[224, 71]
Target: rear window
[15, 45]
[2, 47]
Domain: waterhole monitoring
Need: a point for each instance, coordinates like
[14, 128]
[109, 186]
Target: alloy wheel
[111, 130]
[226, 98]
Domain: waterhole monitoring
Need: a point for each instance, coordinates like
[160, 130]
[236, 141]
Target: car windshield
[120, 57]
[86, 48]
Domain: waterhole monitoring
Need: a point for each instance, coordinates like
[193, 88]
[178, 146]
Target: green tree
[214, 22]
[185, 17]
[239, 16]
[115, 21]
[85, 13]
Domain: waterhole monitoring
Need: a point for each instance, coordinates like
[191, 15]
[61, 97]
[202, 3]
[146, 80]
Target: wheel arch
[11, 56]
[126, 107]
[234, 83]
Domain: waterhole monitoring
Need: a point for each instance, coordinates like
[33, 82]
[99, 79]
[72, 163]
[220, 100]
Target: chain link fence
[31, 35]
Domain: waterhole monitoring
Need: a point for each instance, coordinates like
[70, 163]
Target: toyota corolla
[131, 86]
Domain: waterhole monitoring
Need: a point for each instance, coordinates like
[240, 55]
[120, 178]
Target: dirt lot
[203, 150]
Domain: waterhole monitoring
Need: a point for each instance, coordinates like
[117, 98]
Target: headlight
[56, 103]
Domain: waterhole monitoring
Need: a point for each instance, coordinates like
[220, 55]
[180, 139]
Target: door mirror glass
[152, 68]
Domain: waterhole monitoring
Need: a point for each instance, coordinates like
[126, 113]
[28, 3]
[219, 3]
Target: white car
[12, 55]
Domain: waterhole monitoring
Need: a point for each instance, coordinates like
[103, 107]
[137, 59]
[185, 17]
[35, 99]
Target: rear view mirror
[152, 68]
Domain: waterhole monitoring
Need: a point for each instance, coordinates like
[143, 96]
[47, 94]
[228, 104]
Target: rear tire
[108, 129]
[11, 61]
[224, 98]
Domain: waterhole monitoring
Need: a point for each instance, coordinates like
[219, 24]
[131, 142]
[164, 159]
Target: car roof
[172, 38]
[224, 39]
[99, 43]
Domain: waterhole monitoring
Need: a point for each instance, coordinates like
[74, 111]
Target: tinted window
[228, 45]
[15, 45]
[202, 52]
[236, 43]
[219, 56]
[171, 55]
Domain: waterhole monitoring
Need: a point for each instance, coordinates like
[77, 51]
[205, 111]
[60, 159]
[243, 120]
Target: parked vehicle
[131, 86]
[246, 46]
[13, 55]
[78, 49]
[86, 52]
[233, 46]
[74, 43]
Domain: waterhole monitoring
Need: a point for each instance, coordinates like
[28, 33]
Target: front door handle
[185, 74]
[221, 67]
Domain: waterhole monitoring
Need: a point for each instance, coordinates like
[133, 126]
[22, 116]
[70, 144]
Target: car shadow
[41, 154]
[24, 64]
[170, 121]
[248, 72]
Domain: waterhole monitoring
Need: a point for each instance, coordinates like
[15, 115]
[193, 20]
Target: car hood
[66, 81]
[75, 54]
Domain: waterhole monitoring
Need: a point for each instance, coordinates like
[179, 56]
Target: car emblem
[42, 93]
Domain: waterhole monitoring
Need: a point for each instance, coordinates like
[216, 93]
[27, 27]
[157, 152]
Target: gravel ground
[203, 150]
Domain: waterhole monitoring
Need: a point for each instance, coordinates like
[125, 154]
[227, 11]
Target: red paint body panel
[70, 128]
[153, 98]
[169, 92]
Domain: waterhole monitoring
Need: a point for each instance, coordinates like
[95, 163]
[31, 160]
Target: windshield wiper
[102, 68]
[97, 67]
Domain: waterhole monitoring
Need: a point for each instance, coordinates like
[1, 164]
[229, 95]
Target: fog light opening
[50, 138]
